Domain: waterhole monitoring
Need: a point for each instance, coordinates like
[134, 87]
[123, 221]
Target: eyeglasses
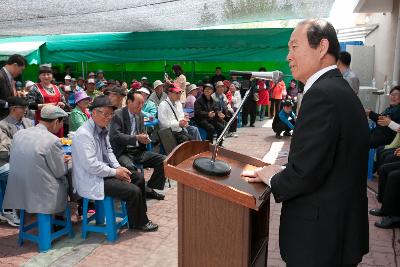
[104, 114]
[177, 93]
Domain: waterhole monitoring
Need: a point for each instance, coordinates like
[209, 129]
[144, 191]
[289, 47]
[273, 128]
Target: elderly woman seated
[383, 135]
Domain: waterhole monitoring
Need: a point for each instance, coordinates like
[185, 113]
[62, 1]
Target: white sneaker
[11, 217]
[235, 135]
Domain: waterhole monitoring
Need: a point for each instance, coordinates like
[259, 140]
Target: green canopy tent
[123, 55]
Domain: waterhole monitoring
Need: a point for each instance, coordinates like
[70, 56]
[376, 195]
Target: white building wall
[384, 41]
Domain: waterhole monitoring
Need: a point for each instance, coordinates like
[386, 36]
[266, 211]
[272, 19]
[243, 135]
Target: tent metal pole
[83, 71]
[193, 71]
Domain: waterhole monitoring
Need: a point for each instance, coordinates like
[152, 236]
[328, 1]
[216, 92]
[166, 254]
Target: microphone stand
[222, 135]
[216, 167]
[213, 166]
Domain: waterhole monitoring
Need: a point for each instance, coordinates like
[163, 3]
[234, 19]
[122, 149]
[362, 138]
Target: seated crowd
[385, 138]
[110, 132]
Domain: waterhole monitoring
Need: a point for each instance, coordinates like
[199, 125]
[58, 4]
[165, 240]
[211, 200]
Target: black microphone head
[244, 74]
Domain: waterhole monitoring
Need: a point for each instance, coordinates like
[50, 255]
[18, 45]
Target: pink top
[190, 101]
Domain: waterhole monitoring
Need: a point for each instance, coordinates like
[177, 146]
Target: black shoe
[287, 134]
[388, 222]
[252, 125]
[154, 195]
[278, 136]
[148, 227]
[376, 212]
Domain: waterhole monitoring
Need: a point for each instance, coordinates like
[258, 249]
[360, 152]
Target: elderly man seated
[96, 171]
[14, 122]
[158, 95]
[129, 140]
[37, 181]
[116, 95]
[170, 115]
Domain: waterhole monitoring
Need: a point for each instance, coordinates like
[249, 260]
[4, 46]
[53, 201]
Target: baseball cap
[174, 88]
[144, 90]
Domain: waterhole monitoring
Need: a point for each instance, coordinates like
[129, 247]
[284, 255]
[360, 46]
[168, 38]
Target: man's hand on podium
[263, 174]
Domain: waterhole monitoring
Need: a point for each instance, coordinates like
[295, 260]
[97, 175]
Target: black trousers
[133, 194]
[275, 107]
[389, 188]
[182, 136]
[211, 127]
[381, 136]
[384, 156]
[233, 127]
[149, 160]
[249, 108]
[280, 127]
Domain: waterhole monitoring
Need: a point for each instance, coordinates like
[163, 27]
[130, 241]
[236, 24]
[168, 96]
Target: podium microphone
[212, 166]
[275, 76]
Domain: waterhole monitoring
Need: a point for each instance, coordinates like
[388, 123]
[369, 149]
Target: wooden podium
[222, 222]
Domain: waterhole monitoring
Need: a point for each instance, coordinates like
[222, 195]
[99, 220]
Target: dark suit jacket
[6, 90]
[202, 107]
[8, 127]
[324, 217]
[120, 131]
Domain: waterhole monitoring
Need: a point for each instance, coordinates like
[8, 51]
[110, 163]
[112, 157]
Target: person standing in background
[14, 67]
[277, 94]
[263, 96]
[344, 66]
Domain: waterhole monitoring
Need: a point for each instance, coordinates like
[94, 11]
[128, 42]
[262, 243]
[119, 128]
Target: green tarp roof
[269, 45]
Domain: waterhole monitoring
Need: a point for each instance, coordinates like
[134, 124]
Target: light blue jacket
[149, 109]
[89, 169]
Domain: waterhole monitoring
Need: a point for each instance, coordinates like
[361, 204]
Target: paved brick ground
[161, 248]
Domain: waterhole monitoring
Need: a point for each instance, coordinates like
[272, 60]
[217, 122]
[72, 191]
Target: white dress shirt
[166, 116]
[316, 76]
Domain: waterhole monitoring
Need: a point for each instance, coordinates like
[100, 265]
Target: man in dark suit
[324, 217]
[13, 68]
[128, 140]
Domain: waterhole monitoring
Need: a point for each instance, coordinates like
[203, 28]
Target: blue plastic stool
[203, 133]
[104, 210]
[44, 224]
[371, 158]
[2, 193]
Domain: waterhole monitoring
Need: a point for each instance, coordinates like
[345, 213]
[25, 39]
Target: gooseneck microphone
[212, 166]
